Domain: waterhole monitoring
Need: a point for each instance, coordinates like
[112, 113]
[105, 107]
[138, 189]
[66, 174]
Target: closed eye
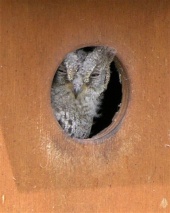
[95, 74]
[62, 71]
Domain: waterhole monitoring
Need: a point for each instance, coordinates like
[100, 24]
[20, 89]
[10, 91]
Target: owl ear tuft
[110, 53]
[107, 52]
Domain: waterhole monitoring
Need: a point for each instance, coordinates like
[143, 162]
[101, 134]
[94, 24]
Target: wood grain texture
[42, 170]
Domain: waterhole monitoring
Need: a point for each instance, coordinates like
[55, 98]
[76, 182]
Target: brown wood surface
[42, 170]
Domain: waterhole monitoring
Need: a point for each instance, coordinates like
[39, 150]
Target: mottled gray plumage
[78, 87]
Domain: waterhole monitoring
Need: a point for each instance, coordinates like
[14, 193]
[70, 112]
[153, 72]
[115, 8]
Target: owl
[77, 89]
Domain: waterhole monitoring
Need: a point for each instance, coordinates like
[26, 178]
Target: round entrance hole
[90, 93]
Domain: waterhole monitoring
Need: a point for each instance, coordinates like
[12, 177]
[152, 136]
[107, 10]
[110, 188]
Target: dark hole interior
[111, 101]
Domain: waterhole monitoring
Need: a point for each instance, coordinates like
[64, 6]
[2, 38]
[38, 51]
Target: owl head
[83, 71]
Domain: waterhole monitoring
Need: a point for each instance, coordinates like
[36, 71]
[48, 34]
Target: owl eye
[61, 71]
[93, 75]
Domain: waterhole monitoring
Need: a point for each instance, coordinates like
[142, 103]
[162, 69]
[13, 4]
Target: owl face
[86, 71]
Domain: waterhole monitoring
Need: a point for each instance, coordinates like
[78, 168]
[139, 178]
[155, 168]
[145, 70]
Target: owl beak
[77, 89]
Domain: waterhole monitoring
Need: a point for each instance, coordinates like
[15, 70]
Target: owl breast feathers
[77, 89]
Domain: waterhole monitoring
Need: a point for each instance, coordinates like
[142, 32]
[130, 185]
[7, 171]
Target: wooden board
[42, 170]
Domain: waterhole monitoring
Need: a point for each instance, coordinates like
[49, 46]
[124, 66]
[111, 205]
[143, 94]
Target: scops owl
[77, 89]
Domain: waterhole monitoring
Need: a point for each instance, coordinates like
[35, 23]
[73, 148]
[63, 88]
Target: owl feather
[77, 89]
